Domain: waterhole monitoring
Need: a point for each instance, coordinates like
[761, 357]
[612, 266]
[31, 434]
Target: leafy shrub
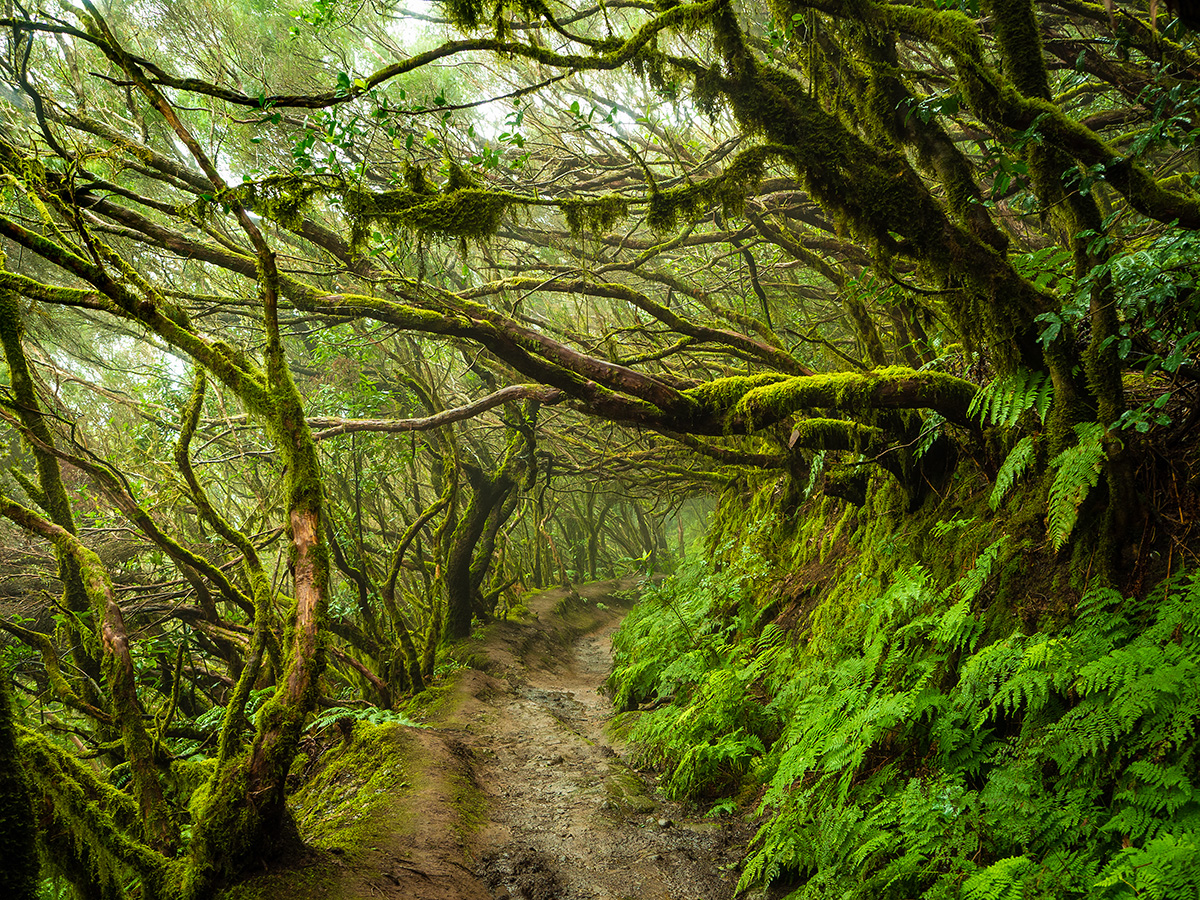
[924, 756]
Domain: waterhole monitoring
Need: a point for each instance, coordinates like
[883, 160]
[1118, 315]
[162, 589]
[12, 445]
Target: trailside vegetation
[916, 720]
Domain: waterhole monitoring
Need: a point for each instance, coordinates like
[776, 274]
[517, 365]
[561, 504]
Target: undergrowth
[925, 750]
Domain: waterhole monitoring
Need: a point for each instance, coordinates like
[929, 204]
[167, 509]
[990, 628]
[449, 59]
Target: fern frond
[1003, 880]
[1002, 401]
[972, 583]
[1078, 472]
[1167, 868]
[1045, 395]
[1014, 467]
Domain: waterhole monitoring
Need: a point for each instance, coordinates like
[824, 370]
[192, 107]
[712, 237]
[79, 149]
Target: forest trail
[519, 794]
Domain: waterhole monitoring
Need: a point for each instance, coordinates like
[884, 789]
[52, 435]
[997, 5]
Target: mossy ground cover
[351, 797]
[346, 805]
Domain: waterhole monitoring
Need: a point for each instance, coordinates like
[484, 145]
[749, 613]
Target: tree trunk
[19, 871]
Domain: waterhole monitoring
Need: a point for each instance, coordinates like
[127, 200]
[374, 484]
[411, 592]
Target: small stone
[664, 823]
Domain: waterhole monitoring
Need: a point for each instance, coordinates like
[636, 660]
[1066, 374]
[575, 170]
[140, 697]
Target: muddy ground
[516, 790]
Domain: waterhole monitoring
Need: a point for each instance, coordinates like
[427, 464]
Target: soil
[516, 791]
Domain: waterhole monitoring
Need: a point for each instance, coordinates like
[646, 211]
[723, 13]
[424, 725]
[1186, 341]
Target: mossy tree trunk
[118, 675]
[18, 844]
[469, 553]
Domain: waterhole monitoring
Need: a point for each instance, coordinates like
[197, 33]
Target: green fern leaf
[1004, 400]
[1167, 868]
[1078, 472]
[1014, 467]
[1045, 395]
[1003, 880]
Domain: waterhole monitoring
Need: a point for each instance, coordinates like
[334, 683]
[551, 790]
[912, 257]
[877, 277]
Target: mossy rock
[627, 791]
[348, 801]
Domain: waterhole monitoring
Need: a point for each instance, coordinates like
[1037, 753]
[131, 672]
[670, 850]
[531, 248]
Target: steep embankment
[514, 790]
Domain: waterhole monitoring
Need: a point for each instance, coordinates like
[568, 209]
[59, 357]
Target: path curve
[569, 819]
[514, 791]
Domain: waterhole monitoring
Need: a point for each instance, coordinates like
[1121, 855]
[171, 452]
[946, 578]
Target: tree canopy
[329, 328]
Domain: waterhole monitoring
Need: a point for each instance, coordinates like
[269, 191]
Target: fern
[1167, 868]
[1078, 471]
[1002, 401]
[371, 714]
[1012, 469]
[1002, 880]
[922, 755]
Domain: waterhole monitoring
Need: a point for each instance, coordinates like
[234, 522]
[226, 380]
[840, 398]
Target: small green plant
[1077, 472]
[924, 754]
[371, 714]
[1004, 400]
[1014, 466]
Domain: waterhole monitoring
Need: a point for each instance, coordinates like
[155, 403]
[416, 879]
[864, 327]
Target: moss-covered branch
[997, 101]
[747, 404]
[770, 355]
[90, 810]
[18, 848]
[63, 691]
[51, 495]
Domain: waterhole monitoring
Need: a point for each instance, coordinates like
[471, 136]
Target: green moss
[596, 215]
[349, 803]
[740, 178]
[720, 396]
[280, 198]
[19, 873]
[467, 213]
[852, 392]
[469, 802]
[314, 882]
[626, 791]
[440, 695]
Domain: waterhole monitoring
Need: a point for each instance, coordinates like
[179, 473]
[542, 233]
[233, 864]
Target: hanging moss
[597, 216]
[467, 213]
[730, 190]
[414, 177]
[836, 434]
[849, 483]
[99, 818]
[280, 198]
[458, 179]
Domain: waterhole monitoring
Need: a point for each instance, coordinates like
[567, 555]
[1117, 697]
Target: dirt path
[568, 818]
[518, 794]
[514, 791]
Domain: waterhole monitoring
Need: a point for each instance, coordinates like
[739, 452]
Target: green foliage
[926, 754]
[1014, 466]
[1002, 401]
[1077, 472]
[679, 649]
[19, 871]
[1165, 868]
[1002, 880]
[371, 714]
